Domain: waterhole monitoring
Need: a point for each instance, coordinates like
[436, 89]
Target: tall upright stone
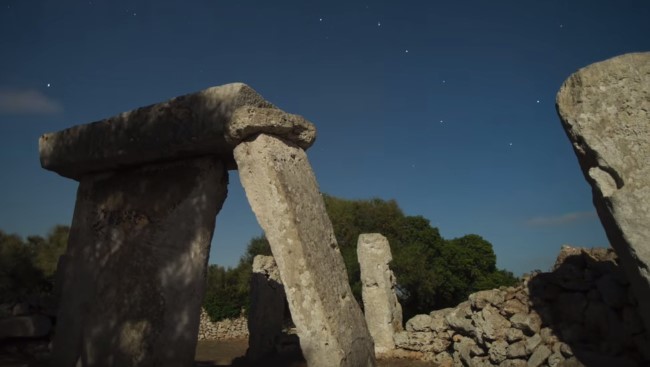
[135, 265]
[283, 192]
[151, 182]
[267, 308]
[381, 307]
[605, 111]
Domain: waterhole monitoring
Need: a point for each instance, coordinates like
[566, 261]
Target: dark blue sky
[445, 106]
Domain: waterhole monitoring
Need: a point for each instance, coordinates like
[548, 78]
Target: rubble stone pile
[581, 313]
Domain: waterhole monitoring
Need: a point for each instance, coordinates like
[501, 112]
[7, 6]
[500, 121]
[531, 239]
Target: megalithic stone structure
[605, 111]
[151, 182]
[283, 192]
[382, 309]
[267, 309]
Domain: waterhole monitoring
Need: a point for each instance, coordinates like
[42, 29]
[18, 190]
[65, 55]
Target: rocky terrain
[581, 313]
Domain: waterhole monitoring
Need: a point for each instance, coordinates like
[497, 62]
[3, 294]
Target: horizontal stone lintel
[195, 124]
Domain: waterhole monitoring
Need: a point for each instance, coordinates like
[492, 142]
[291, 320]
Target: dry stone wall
[583, 313]
[225, 329]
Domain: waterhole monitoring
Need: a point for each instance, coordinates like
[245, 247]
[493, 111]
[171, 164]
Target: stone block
[283, 193]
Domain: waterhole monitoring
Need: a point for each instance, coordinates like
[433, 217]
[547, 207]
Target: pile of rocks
[581, 313]
[236, 328]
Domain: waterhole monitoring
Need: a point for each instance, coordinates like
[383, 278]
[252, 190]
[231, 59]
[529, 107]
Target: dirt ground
[208, 354]
[231, 353]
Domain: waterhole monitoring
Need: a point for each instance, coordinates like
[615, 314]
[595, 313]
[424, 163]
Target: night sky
[445, 106]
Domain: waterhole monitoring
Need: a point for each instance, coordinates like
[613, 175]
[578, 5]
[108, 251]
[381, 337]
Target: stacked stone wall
[581, 313]
[236, 328]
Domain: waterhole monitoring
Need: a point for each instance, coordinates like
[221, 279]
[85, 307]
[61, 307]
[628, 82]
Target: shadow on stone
[587, 303]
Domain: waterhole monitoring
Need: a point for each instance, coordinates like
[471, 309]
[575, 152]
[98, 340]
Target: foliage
[28, 267]
[431, 272]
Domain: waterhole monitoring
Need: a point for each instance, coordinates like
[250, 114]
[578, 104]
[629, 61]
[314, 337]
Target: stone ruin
[151, 183]
[381, 307]
[605, 111]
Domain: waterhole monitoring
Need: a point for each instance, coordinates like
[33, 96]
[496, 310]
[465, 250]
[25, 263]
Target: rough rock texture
[266, 315]
[553, 319]
[134, 274]
[248, 121]
[284, 195]
[236, 328]
[187, 126]
[605, 110]
[382, 310]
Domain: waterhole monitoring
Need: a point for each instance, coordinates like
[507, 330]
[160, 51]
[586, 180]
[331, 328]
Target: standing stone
[605, 111]
[135, 265]
[381, 307]
[267, 310]
[283, 192]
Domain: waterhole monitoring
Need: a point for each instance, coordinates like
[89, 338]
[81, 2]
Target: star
[510, 144]
[134, 14]
[441, 121]
[378, 24]
[320, 19]
[561, 25]
[407, 51]
[444, 81]
[48, 85]
[538, 101]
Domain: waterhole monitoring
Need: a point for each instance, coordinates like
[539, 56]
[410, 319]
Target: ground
[211, 353]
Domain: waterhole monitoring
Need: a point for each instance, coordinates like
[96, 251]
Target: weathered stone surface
[539, 356]
[459, 319]
[134, 274]
[605, 111]
[416, 323]
[528, 323]
[187, 126]
[33, 326]
[490, 324]
[267, 308]
[283, 192]
[248, 121]
[438, 322]
[382, 309]
[498, 351]
[482, 298]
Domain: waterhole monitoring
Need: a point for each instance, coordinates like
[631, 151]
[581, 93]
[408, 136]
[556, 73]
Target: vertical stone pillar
[605, 111]
[134, 275]
[283, 193]
[382, 309]
[267, 309]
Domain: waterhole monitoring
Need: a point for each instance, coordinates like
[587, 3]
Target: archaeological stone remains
[151, 182]
[382, 309]
[605, 110]
[267, 308]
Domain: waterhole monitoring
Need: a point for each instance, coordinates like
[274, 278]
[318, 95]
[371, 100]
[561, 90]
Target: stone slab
[134, 271]
[267, 308]
[382, 309]
[605, 111]
[283, 192]
[187, 126]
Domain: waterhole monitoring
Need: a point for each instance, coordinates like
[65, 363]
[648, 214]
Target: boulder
[604, 109]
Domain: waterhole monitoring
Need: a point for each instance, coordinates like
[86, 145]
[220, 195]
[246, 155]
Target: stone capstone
[383, 312]
[249, 121]
[605, 111]
[284, 195]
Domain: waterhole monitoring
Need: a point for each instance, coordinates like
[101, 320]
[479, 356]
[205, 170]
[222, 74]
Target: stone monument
[151, 182]
[605, 111]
